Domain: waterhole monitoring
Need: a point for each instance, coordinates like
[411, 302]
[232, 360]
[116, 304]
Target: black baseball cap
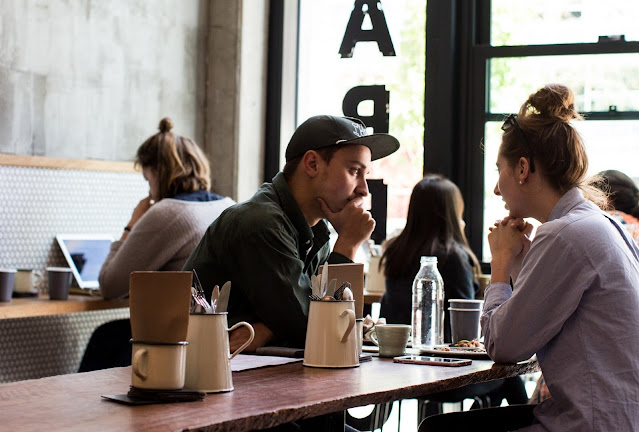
[324, 131]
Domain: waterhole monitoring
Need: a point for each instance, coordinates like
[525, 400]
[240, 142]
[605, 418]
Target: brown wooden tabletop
[372, 297]
[262, 397]
[41, 305]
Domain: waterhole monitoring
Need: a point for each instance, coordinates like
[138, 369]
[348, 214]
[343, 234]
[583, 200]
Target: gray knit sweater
[161, 240]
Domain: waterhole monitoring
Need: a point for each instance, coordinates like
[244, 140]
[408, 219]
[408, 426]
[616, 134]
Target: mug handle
[38, 277]
[373, 337]
[135, 363]
[351, 323]
[250, 328]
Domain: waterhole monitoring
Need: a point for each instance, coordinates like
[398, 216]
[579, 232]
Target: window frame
[462, 122]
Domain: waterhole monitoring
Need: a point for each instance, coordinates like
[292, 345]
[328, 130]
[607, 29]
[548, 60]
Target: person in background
[575, 292]
[434, 227]
[623, 199]
[166, 225]
[270, 246]
[164, 228]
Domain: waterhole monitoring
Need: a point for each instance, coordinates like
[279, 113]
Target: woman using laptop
[166, 225]
[164, 228]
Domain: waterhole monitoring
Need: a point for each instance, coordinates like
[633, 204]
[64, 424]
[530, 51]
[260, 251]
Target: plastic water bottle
[428, 305]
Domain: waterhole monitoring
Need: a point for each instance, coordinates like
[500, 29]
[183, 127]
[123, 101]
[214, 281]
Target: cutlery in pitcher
[339, 293]
[331, 288]
[324, 279]
[315, 286]
[215, 295]
[223, 301]
[199, 294]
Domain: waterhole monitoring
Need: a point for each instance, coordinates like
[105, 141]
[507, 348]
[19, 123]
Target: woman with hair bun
[166, 225]
[574, 299]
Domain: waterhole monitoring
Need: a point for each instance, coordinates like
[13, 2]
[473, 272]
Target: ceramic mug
[157, 365]
[7, 277]
[391, 339]
[464, 324]
[331, 341]
[466, 304]
[208, 358]
[27, 281]
[59, 282]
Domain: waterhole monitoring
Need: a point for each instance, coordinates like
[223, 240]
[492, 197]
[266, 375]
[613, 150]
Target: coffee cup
[464, 324]
[391, 339]
[157, 365]
[208, 359]
[7, 277]
[27, 281]
[59, 282]
[331, 341]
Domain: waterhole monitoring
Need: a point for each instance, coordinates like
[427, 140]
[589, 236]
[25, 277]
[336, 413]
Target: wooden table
[262, 397]
[42, 306]
[371, 297]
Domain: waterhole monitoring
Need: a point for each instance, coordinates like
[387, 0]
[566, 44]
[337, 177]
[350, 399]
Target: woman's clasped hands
[509, 241]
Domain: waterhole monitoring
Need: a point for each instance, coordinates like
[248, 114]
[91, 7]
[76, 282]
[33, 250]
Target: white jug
[330, 339]
[208, 360]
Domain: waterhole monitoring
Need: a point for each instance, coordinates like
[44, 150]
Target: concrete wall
[91, 79]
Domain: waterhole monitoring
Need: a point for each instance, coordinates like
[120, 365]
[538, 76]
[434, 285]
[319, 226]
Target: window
[602, 72]
[558, 22]
[324, 78]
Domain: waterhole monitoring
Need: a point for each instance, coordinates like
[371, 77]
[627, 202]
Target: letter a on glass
[379, 33]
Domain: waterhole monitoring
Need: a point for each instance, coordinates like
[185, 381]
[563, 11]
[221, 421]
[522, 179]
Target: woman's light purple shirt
[576, 305]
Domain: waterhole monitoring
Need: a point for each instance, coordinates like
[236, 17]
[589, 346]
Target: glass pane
[598, 81]
[610, 145]
[542, 22]
[324, 78]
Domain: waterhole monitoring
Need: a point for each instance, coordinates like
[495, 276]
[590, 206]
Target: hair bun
[554, 101]
[166, 125]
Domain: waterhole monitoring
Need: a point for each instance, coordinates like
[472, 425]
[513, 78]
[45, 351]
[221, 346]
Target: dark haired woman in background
[434, 227]
[166, 225]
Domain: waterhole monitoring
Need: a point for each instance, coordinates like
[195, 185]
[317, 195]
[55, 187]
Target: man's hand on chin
[353, 224]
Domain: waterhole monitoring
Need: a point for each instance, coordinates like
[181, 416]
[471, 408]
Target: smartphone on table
[436, 361]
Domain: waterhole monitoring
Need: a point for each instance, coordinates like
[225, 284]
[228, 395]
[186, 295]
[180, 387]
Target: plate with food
[462, 349]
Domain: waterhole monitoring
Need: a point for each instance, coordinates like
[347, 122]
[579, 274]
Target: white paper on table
[242, 362]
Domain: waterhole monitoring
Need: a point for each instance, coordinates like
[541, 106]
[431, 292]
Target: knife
[315, 288]
[324, 282]
[214, 298]
[223, 301]
[331, 288]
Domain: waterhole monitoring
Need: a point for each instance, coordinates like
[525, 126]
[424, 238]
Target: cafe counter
[41, 337]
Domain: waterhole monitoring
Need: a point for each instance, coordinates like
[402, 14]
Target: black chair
[485, 395]
[108, 347]
[374, 420]
[433, 404]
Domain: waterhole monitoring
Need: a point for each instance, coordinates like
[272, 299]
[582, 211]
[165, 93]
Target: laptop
[85, 254]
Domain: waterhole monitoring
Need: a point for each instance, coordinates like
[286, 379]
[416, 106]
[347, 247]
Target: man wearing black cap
[270, 245]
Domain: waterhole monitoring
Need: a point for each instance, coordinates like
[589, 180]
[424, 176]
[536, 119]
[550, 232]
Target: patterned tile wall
[35, 205]
[38, 203]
